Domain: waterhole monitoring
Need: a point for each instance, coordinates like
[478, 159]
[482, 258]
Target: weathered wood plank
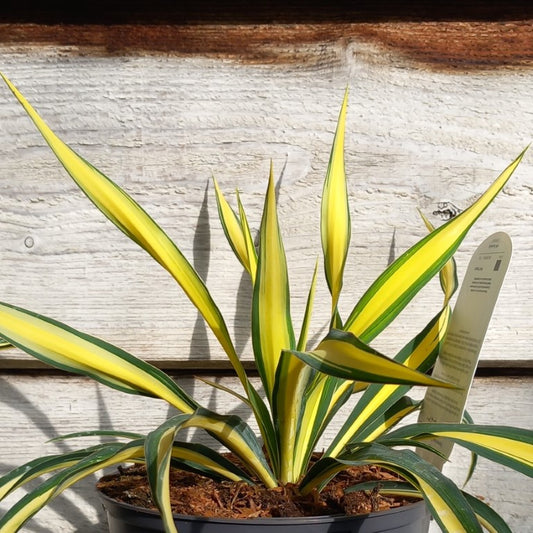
[35, 409]
[162, 125]
[442, 45]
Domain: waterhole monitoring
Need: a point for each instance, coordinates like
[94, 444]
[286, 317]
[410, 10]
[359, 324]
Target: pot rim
[292, 519]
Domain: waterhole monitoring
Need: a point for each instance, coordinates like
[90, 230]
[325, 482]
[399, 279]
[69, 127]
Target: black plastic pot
[414, 518]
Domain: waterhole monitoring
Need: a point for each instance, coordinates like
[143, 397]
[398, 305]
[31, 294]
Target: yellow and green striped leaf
[343, 355]
[107, 455]
[448, 273]
[446, 502]
[399, 283]
[266, 427]
[419, 354]
[225, 389]
[304, 331]
[335, 214]
[43, 465]
[131, 218]
[68, 349]
[232, 229]
[386, 488]
[4, 343]
[237, 436]
[328, 394]
[487, 516]
[160, 449]
[386, 419]
[248, 240]
[315, 417]
[158, 452]
[292, 378]
[203, 460]
[99, 433]
[509, 446]
[271, 320]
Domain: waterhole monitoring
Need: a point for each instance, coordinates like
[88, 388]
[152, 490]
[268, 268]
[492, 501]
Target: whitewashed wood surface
[161, 126]
[30, 418]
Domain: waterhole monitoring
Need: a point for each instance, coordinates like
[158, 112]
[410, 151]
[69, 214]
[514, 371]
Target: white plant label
[459, 355]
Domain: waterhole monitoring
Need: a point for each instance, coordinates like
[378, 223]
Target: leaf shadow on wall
[32, 413]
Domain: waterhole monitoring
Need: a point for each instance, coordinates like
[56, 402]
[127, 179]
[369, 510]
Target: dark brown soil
[192, 494]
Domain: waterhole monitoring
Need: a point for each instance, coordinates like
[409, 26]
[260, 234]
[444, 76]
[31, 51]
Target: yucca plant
[302, 388]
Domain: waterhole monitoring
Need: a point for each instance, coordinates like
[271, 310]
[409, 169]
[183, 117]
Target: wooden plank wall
[439, 105]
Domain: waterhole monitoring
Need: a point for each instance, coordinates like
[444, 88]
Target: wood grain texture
[161, 126]
[30, 418]
[439, 45]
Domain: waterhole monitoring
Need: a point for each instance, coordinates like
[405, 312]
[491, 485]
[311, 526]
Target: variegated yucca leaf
[321, 393]
[37, 467]
[509, 446]
[419, 354]
[159, 450]
[248, 240]
[266, 426]
[343, 355]
[195, 457]
[68, 349]
[399, 488]
[228, 390]
[446, 502]
[106, 455]
[335, 214]
[328, 394]
[201, 459]
[402, 280]
[304, 331]
[131, 218]
[292, 412]
[467, 419]
[236, 435]
[448, 274]
[411, 356]
[272, 329]
[232, 229]
[485, 514]
[292, 377]
[385, 419]
[99, 433]
[4, 343]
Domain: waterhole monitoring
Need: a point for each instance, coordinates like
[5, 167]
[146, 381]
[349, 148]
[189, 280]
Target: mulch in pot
[193, 494]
